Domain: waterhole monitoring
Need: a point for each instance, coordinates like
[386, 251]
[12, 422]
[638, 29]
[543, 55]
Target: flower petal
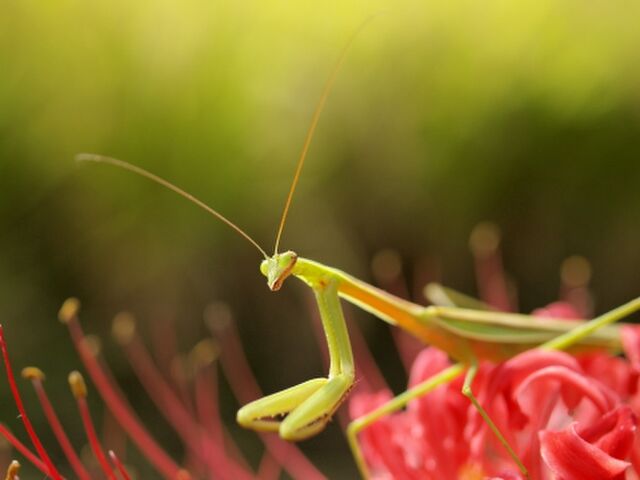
[362, 403]
[507, 476]
[374, 440]
[574, 387]
[557, 310]
[428, 363]
[631, 342]
[614, 433]
[589, 453]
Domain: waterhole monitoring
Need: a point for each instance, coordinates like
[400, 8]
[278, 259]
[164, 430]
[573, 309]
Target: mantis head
[278, 268]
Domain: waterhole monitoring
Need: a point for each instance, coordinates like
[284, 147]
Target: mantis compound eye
[264, 267]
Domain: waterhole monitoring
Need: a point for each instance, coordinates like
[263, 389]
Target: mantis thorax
[277, 268]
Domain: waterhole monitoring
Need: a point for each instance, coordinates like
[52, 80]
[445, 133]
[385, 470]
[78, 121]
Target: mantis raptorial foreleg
[300, 411]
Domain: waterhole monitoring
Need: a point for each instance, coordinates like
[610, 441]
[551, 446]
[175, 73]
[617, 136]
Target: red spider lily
[567, 418]
[210, 452]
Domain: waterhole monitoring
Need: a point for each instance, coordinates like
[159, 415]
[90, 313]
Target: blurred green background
[444, 114]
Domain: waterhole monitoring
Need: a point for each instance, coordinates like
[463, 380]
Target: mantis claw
[297, 412]
[267, 413]
[315, 412]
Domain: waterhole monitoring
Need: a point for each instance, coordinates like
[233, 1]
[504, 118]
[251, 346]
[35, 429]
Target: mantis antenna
[90, 157]
[314, 122]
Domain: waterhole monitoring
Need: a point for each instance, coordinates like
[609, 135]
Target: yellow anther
[69, 310]
[484, 239]
[78, 387]
[204, 353]
[471, 472]
[217, 316]
[575, 271]
[386, 265]
[13, 470]
[32, 373]
[183, 475]
[123, 327]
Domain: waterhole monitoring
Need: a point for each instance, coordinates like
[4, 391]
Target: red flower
[592, 451]
[211, 452]
[566, 418]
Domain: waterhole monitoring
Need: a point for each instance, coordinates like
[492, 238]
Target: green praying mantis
[467, 331]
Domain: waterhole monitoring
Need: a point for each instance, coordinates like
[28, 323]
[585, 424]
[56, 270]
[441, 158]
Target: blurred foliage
[445, 114]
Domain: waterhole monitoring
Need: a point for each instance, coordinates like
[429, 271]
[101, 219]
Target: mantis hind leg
[573, 336]
[393, 405]
[468, 392]
[400, 401]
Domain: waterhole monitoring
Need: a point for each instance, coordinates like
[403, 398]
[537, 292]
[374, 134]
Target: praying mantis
[468, 335]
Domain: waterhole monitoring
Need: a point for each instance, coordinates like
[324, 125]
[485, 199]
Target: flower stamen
[484, 243]
[36, 376]
[23, 449]
[245, 388]
[13, 470]
[79, 390]
[194, 437]
[23, 414]
[114, 399]
[119, 466]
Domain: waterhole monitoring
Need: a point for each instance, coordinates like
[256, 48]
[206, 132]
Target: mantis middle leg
[393, 405]
[399, 402]
[467, 392]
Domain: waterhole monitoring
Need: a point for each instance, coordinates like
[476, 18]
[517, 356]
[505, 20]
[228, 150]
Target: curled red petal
[574, 387]
[614, 433]
[506, 378]
[591, 452]
[517, 369]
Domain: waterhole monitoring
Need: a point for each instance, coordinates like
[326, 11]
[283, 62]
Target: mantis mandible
[467, 335]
